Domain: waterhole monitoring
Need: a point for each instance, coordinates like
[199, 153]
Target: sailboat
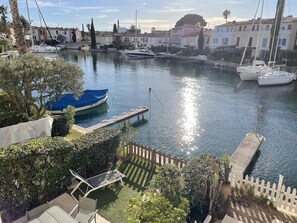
[139, 52]
[276, 76]
[42, 48]
[258, 67]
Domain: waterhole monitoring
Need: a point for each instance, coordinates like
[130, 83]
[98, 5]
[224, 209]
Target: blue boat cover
[88, 97]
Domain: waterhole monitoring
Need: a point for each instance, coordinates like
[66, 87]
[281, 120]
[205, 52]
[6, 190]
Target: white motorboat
[44, 48]
[252, 72]
[140, 53]
[276, 78]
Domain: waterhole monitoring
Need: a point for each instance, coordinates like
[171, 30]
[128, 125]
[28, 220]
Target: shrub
[38, 171]
[221, 206]
[60, 126]
[168, 181]
[63, 123]
[153, 207]
[95, 151]
[8, 114]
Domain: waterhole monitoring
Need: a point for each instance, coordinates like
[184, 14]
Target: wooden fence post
[278, 191]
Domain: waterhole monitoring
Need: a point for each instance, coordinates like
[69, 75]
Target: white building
[244, 33]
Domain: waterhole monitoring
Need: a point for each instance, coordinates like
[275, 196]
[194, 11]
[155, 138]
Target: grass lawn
[113, 200]
[73, 134]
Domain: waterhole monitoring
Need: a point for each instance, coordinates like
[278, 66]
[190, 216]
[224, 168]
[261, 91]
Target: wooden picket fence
[151, 155]
[284, 199]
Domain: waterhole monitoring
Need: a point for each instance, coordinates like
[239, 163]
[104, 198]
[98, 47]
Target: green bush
[33, 173]
[221, 206]
[96, 151]
[8, 114]
[60, 126]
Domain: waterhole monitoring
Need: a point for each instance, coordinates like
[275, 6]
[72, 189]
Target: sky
[162, 14]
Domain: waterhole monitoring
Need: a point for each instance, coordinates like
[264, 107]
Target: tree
[153, 207]
[73, 35]
[226, 163]
[202, 176]
[153, 30]
[201, 39]
[3, 24]
[192, 19]
[93, 36]
[17, 26]
[132, 29]
[25, 22]
[82, 32]
[5, 44]
[48, 79]
[114, 28]
[226, 14]
[61, 38]
[168, 181]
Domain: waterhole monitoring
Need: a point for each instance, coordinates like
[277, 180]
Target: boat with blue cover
[89, 99]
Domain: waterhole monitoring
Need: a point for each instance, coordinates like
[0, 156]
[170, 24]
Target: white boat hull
[276, 78]
[57, 112]
[251, 73]
[140, 53]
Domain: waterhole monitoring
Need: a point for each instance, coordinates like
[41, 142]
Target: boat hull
[276, 78]
[103, 100]
[251, 73]
[89, 99]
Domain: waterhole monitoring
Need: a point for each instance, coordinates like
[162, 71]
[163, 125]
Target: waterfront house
[41, 34]
[239, 34]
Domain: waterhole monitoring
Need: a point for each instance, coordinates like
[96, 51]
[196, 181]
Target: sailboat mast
[135, 29]
[31, 31]
[275, 28]
[259, 31]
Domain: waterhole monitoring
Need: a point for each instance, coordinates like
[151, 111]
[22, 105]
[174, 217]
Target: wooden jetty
[114, 120]
[245, 153]
[120, 118]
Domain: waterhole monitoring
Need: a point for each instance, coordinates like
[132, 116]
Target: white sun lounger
[97, 182]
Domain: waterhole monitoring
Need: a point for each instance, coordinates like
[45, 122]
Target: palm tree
[17, 26]
[226, 14]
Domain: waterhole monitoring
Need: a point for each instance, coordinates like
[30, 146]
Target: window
[228, 29]
[258, 27]
[279, 42]
[289, 27]
[57, 32]
[264, 42]
[283, 27]
[244, 28]
[64, 32]
[284, 42]
[253, 28]
[267, 27]
[207, 42]
[225, 41]
[237, 41]
[239, 28]
[250, 41]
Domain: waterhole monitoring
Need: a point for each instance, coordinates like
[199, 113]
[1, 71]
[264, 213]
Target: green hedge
[38, 170]
[96, 151]
[33, 173]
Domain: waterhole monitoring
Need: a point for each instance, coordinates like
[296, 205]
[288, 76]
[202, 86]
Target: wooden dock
[120, 118]
[245, 153]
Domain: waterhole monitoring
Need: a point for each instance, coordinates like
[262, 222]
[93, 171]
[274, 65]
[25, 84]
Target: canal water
[196, 109]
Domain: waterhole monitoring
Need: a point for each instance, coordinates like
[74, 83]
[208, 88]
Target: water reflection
[87, 116]
[94, 59]
[189, 123]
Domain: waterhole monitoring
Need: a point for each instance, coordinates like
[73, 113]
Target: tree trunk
[17, 26]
